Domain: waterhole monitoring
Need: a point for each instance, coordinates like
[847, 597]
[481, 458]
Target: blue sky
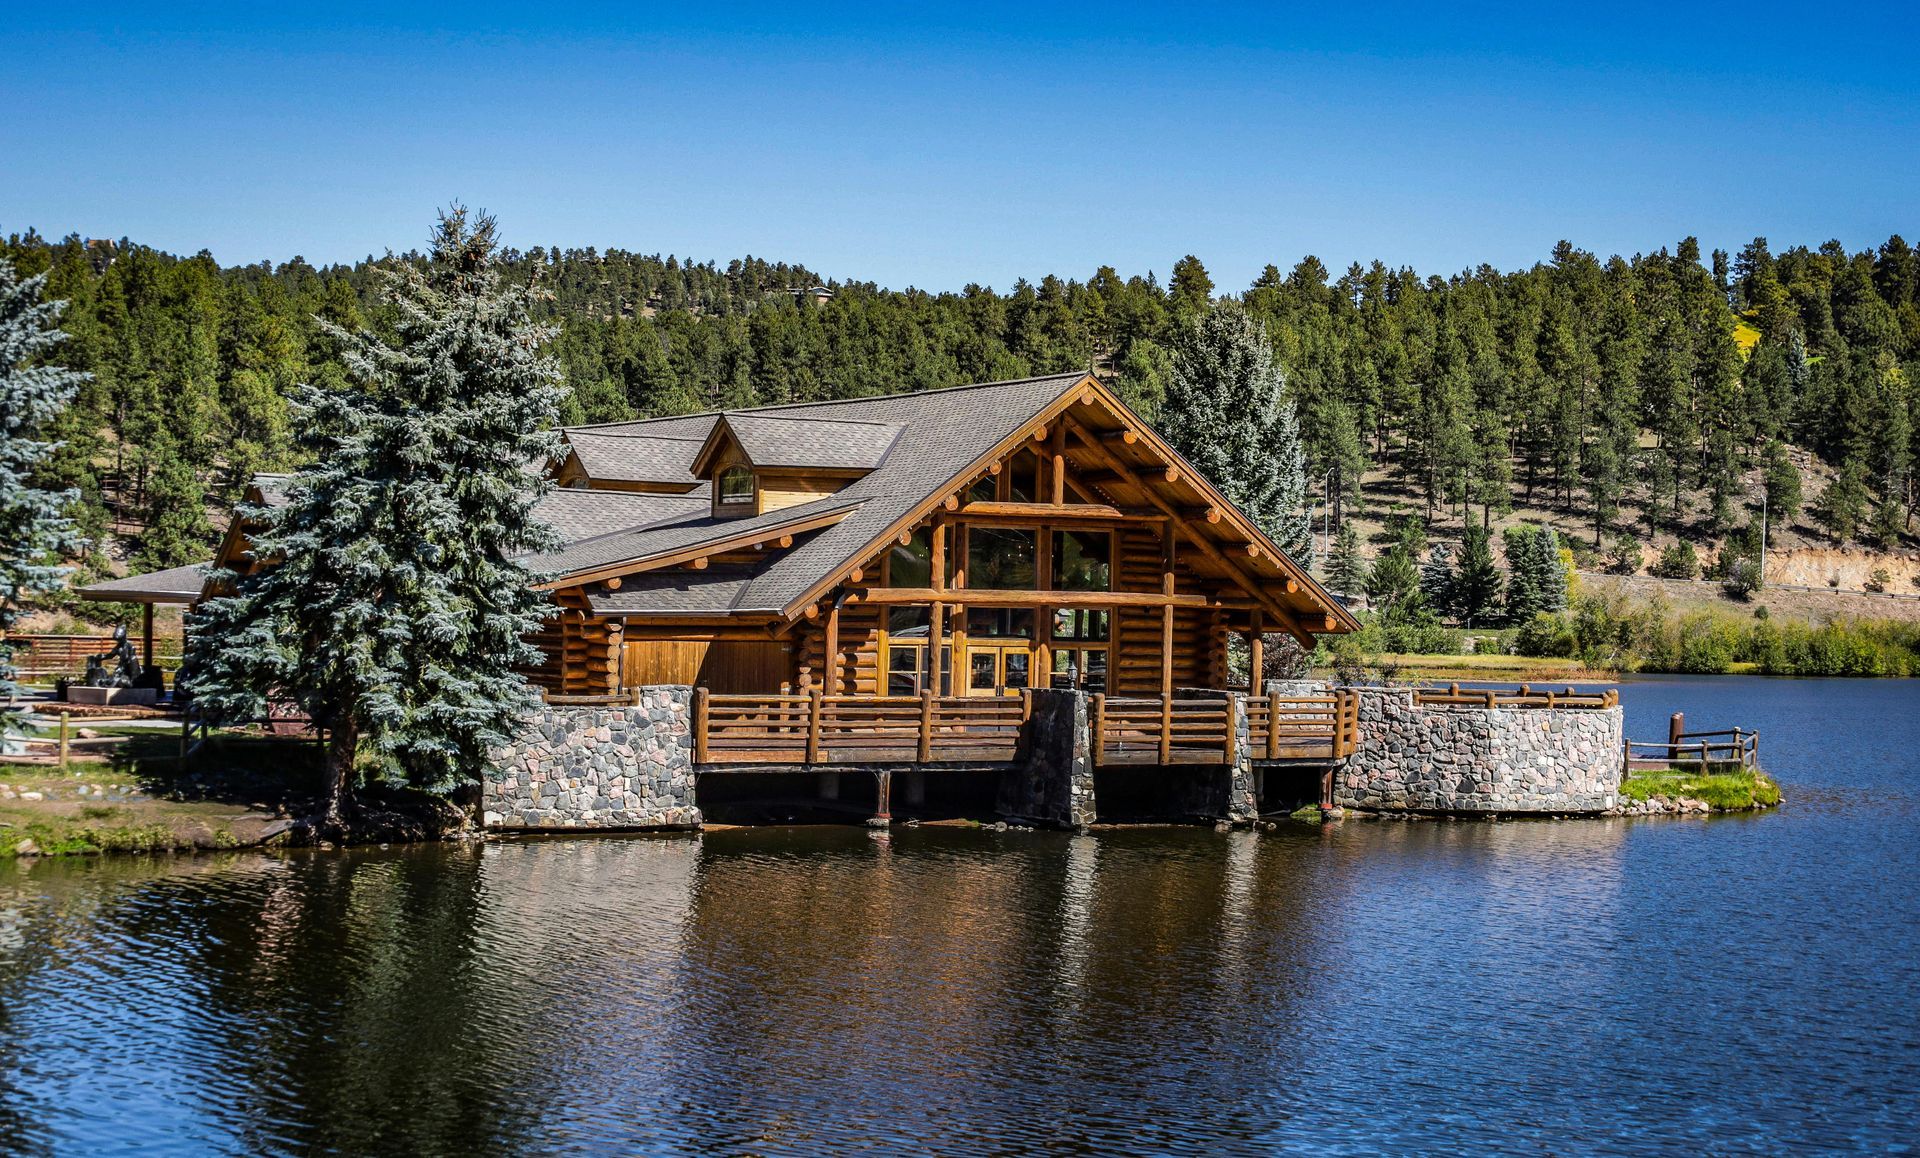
[975, 143]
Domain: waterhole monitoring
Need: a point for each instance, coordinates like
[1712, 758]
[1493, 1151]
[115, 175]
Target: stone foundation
[1053, 784]
[1480, 760]
[598, 767]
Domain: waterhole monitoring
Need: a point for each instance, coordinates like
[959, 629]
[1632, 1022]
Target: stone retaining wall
[1486, 760]
[598, 767]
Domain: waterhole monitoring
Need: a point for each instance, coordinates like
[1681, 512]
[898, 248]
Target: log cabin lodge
[971, 541]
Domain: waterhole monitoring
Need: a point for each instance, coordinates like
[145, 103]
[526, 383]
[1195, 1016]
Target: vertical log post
[926, 725]
[1166, 725]
[1166, 611]
[882, 799]
[64, 718]
[814, 703]
[1257, 652]
[936, 631]
[1676, 727]
[700, 734]
[833, 648]
[1099, 728]
[146, 635]
[1057, 448]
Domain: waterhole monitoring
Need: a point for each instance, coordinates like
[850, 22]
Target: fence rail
[1304, 727]
[1525, 696]
[1725, 746]
[1162, 730]
[821, 729]
[67, 655]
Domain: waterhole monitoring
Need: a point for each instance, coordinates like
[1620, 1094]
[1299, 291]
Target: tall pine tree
[1227, 412]
[394, 610]
[34, 532]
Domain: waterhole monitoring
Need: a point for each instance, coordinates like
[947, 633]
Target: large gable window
[735, 485]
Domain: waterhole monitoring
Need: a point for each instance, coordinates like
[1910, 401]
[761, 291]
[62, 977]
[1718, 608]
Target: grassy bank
[46, 813]
[137, 797]
[1731, 790]
[1517, 668]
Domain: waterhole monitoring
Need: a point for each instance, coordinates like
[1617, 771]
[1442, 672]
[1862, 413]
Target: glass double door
[999, 667]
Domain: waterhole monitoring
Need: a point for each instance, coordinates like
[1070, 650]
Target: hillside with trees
[1640, 406]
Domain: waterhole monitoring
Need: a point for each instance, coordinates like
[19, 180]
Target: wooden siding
[778, 491]
[725, 666]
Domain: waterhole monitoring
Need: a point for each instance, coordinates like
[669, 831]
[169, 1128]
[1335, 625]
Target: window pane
[1000, 622]
[1016, 663]
[1086, 623]
[983, 665]
[903, 671]
[909, 622]
[736, 485]
[1082, 560]
[911, 565]
[1000, 559]
[982, 491]
[1020, 477]
[1093, 676]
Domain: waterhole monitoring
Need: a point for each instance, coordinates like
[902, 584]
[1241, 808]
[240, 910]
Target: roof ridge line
[1075, 375]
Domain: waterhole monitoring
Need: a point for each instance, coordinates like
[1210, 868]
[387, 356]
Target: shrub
[1625, 556]
[1545, 636]
[1678, 561]
[1879, 579]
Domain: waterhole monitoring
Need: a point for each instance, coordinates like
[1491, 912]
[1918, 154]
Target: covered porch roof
[174, 585]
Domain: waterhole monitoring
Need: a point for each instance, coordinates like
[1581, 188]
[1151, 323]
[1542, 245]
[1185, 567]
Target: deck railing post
[926, 726]
[1703, 755]
[1273, 728]
[815, 702]
[1233, 728]
[1166, 728]
[1676, 727]
[700, 725]
[64, 718]
[1099, 728]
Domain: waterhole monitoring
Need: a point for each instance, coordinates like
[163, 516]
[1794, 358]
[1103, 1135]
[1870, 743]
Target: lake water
[1663, 985]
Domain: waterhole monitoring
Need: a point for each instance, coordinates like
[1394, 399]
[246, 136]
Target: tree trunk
[342, 742]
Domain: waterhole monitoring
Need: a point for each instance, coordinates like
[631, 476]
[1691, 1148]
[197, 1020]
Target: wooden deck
[1735, 746]
[744, 731]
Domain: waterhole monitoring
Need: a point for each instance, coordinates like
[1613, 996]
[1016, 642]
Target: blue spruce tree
[1228, 413]
[392, 608]
[34, 531]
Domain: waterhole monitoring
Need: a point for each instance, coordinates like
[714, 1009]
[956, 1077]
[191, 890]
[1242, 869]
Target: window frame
[720, 486]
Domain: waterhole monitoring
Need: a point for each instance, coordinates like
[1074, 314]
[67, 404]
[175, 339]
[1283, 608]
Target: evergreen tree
[1476, 584]
[1346, 572]
[1436, 579]
[1393, 579]
[1536, 577]
[1227, 413]
[34, 531]
[395, 610]
[1783, 486]
[1842, 506]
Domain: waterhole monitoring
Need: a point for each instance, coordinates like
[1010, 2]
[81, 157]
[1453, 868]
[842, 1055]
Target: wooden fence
[843, 729]
[1726, 746]
[66, 655]
[1162, 730]
[1525, 696]
[1325, 727]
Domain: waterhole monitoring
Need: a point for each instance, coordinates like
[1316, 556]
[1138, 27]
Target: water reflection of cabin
[970, 541]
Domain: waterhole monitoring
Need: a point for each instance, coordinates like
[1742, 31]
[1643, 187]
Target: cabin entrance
[999, 667]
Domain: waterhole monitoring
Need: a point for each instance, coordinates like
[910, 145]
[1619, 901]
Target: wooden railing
[1726, 746]
[1525, 696]
[58, 655]
[1324, 727]
[1162, 730]
[822, 729]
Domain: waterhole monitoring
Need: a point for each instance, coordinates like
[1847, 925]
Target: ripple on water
[1647, 985]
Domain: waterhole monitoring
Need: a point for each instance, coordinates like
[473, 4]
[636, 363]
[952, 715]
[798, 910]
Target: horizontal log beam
[980, 597]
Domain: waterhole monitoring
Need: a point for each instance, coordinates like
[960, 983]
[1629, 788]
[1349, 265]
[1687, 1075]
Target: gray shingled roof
[673, 533]
[774, 440]
[714, 591]
[174, 585]
[582, 514]
[620, 456]
[938, 434]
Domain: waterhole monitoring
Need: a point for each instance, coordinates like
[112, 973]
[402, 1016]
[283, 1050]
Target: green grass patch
[1731, 789]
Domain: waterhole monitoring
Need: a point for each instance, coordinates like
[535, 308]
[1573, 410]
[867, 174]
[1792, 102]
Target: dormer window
[735, 486]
